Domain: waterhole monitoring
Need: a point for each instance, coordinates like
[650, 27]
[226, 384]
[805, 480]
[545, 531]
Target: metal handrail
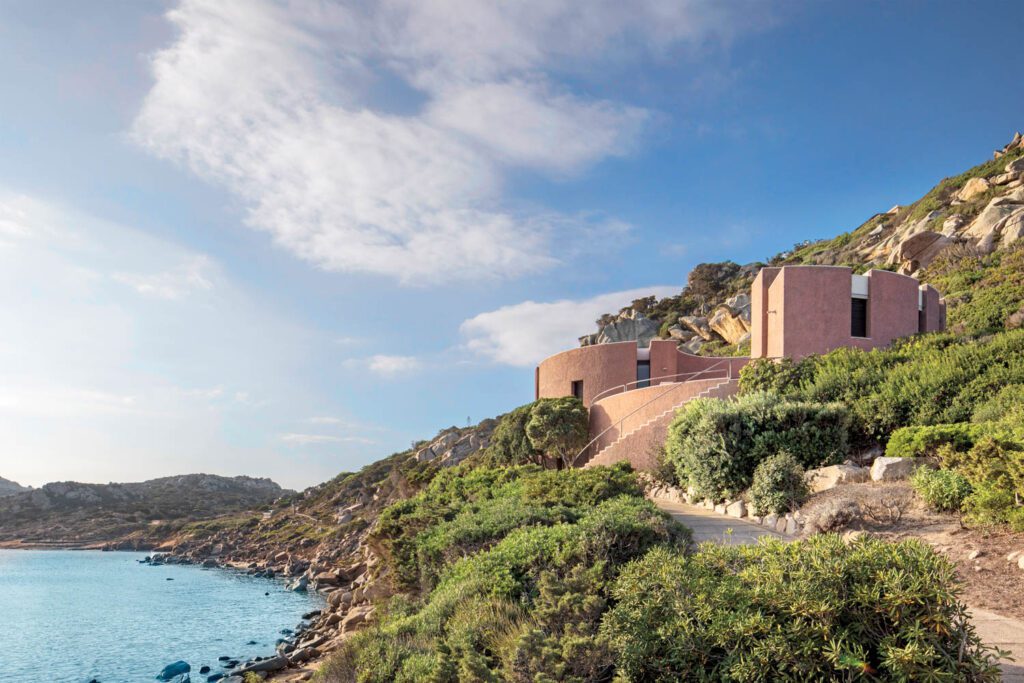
[651, 381]
[675, 385]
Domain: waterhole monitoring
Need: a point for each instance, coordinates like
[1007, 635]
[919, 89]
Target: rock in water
[172, 671]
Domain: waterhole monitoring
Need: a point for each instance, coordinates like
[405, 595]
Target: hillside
[976, 215]
[8, 487]
[132, 514]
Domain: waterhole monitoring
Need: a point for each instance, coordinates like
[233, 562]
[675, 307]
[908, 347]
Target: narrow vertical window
[922, 322]
[643, 374]
[577, 389]
[859, 318]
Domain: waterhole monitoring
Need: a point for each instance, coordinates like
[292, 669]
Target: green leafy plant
[941, 490]
[778, 485]
[819, 609]
[558, 428]
[716, 445]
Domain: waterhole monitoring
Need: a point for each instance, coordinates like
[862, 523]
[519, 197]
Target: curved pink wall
[601, 367]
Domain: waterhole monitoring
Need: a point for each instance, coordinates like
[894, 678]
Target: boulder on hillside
[825, 478]
[630, 325]
[679, 334]
[1015, 166]
[917, 251]
[728, 324]
[893, 469]
[693, 346]
[972, 188]
[699, 325]
[989, 229]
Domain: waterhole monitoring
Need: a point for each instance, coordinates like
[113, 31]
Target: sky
[286, 239]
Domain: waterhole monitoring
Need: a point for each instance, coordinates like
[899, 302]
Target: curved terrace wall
[600, 367]
[635, 408]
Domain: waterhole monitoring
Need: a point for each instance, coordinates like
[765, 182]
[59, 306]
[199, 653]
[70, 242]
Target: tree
[558, 428]
[509, 444]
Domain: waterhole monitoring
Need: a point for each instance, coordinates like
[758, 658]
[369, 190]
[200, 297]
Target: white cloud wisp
[523, 334]
[375, 138]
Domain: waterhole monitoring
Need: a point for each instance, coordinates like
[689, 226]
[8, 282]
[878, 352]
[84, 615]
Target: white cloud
[194, 274]
[375, 137]
[392, 366]
[524, 334]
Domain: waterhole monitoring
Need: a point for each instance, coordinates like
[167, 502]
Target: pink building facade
[632, 393]
[797, 311]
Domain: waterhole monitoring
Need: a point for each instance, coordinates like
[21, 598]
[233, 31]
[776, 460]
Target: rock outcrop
[8, 487]
[629, 325]
[454, 445]
[731, 321]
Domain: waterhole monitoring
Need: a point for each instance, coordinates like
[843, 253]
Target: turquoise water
[71, 616]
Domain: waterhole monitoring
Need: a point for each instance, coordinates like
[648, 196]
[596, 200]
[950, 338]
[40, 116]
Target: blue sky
[286, 239]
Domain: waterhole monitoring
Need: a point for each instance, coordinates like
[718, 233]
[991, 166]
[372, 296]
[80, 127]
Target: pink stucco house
[632, 392]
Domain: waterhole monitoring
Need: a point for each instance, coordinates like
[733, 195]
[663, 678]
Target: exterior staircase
[640, 444]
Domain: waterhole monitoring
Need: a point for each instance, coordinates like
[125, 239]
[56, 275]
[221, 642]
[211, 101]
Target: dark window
[921, 322]
[859, 318]
[577, 389]
[643, 374]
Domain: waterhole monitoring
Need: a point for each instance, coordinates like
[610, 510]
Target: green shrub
[716, 445]
[778, 485]
[558, 428]
[527, 608]
[990, 505]
[465, 510]
[550, 428]
[941, 490]
[782, 376]
[1007, 405]
[818, 609]
[924, 441]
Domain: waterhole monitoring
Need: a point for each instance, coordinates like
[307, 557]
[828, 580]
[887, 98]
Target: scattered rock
[172, 671]
[825, 478]
[736, 509]
[275, 663]
[629, 325]
[974, 554]
[893, 469]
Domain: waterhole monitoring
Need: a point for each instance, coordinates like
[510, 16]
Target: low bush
[924, 441]
[465, 510]
[990, 505]
[778, 485]
[528, 608]
[818, 609]
[941, 490]
[924, 380]
[716, 445]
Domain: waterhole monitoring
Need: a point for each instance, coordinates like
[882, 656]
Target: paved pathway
[1006, 634]
[708, 525]
[994, 629]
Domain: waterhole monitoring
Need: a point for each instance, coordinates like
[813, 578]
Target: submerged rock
[174, 670]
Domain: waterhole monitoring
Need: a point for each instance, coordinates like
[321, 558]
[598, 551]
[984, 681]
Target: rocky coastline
[347, 592]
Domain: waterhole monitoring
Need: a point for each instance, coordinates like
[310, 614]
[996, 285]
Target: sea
[69, 616]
